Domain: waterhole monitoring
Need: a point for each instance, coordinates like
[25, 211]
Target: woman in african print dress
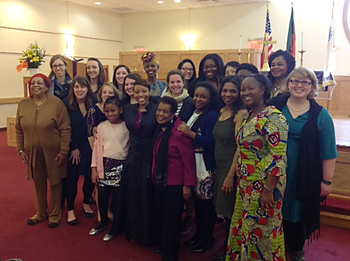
[256, 231]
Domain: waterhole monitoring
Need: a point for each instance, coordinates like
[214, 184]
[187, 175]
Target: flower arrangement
[33, 57]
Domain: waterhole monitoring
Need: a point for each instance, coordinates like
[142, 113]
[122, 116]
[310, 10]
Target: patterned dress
[262, 145]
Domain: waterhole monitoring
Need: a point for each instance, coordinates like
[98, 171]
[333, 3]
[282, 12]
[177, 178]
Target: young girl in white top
[111, 147]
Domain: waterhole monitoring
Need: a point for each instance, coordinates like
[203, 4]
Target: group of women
[218, 144]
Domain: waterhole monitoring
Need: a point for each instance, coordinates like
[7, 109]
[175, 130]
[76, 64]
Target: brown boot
[297, 255]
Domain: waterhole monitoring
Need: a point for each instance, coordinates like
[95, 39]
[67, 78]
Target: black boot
[297, 255]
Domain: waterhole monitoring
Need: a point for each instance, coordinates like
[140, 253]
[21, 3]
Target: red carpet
[39, 243]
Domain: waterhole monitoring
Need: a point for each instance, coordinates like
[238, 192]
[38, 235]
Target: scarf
[309, 168]
[161, 170]
[180, 98]
[60, 90]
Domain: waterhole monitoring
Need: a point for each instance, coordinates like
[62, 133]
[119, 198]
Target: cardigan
[99, 151]
[79, 127]
[204, 137]
[181, 160]
[51, 127]
[187, 109]
[310, 170]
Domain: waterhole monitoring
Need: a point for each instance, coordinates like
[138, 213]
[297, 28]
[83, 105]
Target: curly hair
[288, 57]
[249, 67]
[214, 95]
[170, 101]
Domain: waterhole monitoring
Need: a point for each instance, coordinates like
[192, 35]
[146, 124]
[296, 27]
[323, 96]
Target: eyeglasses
[303, 83]
[187, 69]
[61, 65]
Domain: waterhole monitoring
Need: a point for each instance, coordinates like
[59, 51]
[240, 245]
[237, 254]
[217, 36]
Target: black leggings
[104, 193]
[71, 185]
[294, 235]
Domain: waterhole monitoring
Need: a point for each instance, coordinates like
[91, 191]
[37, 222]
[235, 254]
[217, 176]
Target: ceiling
[133, 6]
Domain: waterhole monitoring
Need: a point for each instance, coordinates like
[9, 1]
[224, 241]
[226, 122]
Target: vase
[33, 71]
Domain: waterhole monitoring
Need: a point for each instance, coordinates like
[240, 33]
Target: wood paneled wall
[168, 60]
[81, 69]
[338, 102]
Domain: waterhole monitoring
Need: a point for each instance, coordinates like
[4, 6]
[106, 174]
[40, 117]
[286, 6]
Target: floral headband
[148, 57]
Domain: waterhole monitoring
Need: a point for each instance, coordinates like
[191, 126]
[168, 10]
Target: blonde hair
[115, 91]
[303, 72]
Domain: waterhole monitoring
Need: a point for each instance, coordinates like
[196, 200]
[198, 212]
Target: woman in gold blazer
[43, 134]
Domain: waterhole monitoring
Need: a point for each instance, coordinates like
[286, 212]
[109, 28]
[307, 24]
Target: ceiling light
[177, 1]
[160, 2]
[97, 3]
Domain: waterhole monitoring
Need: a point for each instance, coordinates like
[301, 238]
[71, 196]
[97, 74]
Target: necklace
[297, 110]
[276, 88]
[40, 103]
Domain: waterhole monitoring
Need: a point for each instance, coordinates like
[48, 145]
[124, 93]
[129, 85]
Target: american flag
[270, 46]
[332, 46]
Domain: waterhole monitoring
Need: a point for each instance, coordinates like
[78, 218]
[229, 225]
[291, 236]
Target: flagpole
[291, 39]
[302, 49]
[267, 44]
[240, 49]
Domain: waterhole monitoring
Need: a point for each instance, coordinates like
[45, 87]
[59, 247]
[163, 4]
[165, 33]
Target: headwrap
[148, 57]
[43, 76]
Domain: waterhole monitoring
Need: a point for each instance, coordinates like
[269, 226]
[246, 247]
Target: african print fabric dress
[262, 145]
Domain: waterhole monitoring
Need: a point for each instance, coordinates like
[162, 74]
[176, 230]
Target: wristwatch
[327, 182]
[20, 152]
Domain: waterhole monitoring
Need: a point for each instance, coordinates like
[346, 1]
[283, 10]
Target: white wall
[220, 28]
[51, 18]
[215, 27]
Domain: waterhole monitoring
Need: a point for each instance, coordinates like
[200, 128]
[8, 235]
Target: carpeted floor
[39, 243]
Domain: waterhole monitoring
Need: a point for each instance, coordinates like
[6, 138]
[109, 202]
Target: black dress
[224, 151]
[136, 181]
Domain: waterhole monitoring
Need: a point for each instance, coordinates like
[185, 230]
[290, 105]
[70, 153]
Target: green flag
[291, 35]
